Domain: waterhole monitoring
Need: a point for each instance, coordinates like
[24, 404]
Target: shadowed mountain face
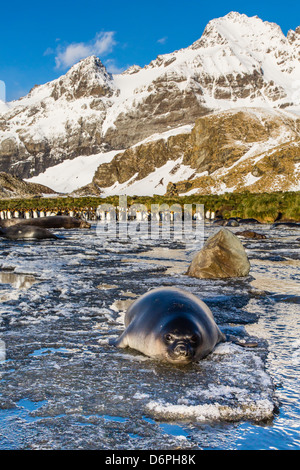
[11, 186]
[237, 62]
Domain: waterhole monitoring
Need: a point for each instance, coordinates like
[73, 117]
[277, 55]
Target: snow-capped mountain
[89, 114]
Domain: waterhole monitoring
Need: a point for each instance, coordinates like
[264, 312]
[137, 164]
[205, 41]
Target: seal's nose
[182, 349]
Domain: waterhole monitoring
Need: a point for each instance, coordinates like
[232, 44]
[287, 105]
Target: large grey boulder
[222, 256]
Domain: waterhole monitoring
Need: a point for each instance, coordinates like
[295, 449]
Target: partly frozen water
[64, 386]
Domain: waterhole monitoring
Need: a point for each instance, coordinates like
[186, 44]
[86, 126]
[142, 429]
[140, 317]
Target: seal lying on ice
[171, 325]
[21, 232]
[53, 221]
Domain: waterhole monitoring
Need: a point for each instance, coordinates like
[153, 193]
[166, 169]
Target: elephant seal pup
[29, 232]
[248, 221]
[52, 221]
[286, 224]
[171, 325]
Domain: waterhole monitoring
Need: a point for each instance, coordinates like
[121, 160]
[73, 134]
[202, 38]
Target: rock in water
[222, 256]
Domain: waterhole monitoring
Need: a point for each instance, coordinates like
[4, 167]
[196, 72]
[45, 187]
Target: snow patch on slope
[72, 174]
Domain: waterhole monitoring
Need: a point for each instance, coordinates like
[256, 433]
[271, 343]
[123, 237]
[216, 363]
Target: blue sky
[39, 41]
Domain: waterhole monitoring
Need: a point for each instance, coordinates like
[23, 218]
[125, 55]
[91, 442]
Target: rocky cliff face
[231, 150]
[11, 186]
[248, 149]
[237, 62]
[138, 162]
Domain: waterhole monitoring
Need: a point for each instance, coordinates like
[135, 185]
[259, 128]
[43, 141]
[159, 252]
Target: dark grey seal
[54, 221]
[21, 232]
[232, 222]
[286, 224]
[172, 325]
[248, 221]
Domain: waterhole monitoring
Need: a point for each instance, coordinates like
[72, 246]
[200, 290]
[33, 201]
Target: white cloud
[49, 51]
[162, 40]
[105, 42]
[101, 45]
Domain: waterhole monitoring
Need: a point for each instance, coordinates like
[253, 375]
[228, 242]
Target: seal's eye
[194, 339]
[168, 337]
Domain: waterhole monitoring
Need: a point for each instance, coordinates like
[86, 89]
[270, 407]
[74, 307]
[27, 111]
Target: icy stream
[63, 386]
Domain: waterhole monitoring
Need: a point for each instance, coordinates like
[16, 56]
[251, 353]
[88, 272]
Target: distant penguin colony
[106, 214]
[124, 213]
[36, 213]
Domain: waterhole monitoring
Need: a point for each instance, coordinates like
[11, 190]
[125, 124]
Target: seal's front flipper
[249, 344]
[222, 337]
[121, 342]
[242, 343]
